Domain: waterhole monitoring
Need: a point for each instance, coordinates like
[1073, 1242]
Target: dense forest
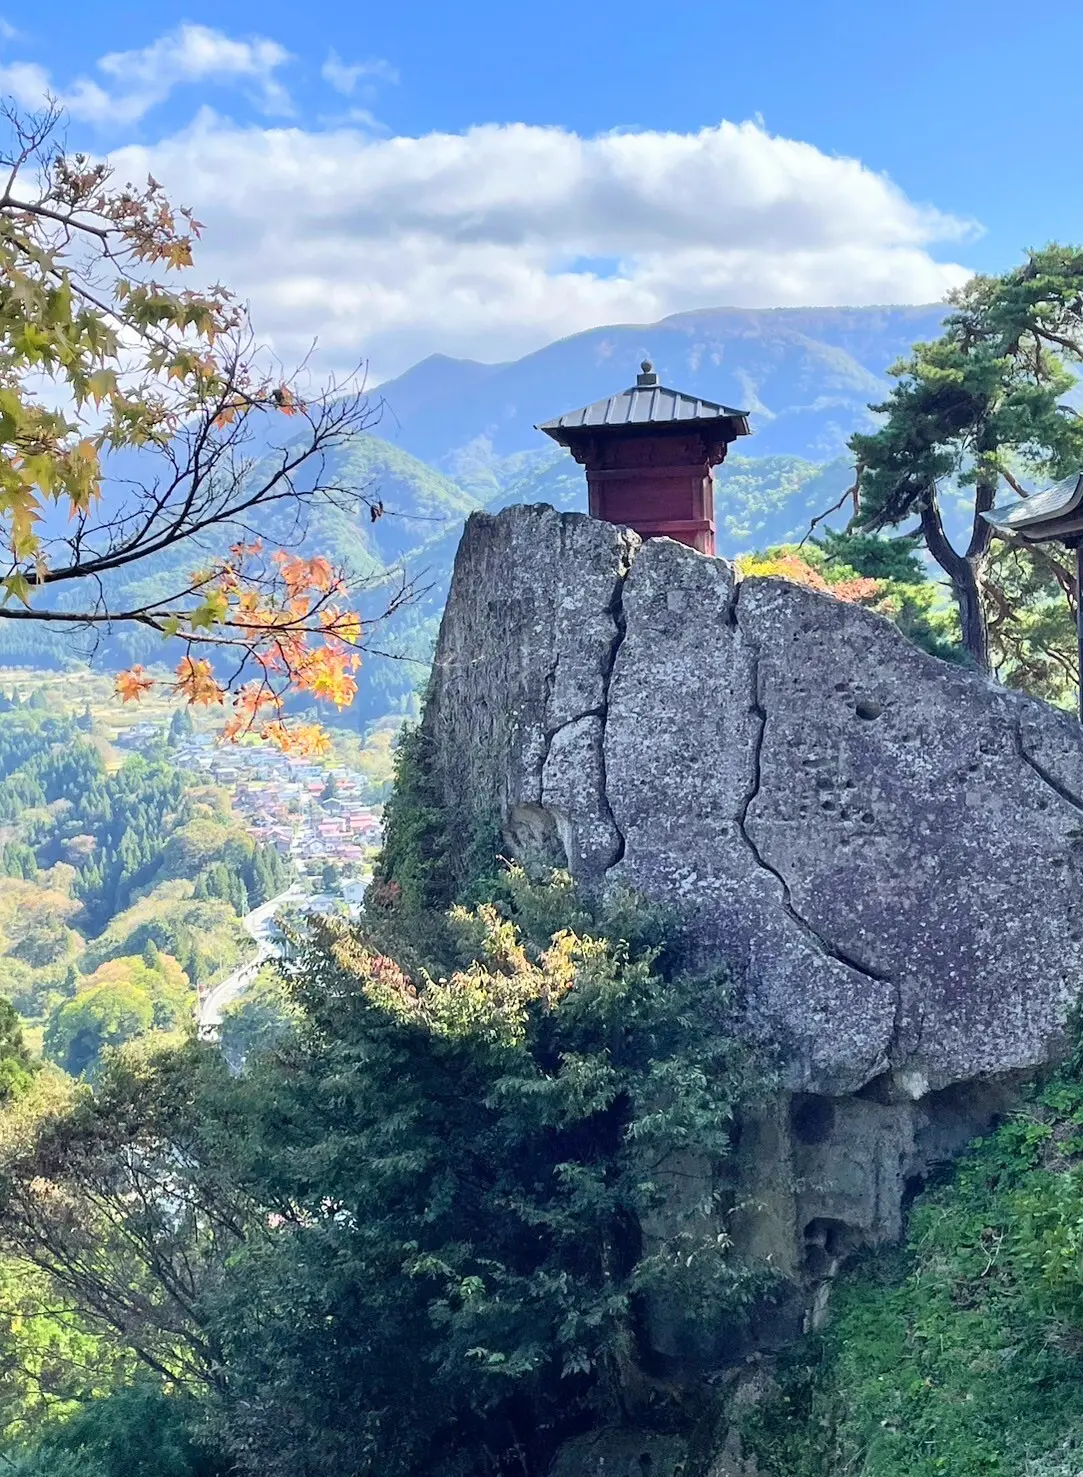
[417, 1229]
[104, 934]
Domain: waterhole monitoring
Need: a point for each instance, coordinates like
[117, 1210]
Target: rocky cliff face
[888, 851]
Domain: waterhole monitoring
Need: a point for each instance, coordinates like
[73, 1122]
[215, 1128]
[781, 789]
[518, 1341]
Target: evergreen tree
[181, 727]
[16, 1063]
[973, 412]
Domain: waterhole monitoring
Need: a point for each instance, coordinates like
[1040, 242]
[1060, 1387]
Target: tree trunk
[964, 571]
[967, 590]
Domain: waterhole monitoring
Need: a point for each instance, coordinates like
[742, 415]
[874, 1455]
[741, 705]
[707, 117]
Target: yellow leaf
[102, 382]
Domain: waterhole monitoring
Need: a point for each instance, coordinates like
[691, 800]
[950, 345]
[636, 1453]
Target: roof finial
[648, 377]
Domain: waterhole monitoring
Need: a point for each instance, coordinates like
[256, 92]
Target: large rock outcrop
[886, 849]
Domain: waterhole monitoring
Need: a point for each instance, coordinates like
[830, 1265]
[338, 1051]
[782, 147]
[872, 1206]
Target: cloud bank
[495, 241]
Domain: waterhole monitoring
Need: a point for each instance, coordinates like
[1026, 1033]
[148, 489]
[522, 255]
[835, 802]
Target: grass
[961, 1353]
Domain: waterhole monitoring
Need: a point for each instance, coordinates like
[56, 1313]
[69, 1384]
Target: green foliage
[101, 1015]
[413, 871]
[180, 727]
[976, 409]
[761, 501]
[16, 1066]
[411, 1234]
[204, 934]
[491, 1161]
[18, 860]
[122, 999]
[1032, 626]
[873, 556]
[962, 1353]
[105, 853]
[53, 1361]
[137, 1431]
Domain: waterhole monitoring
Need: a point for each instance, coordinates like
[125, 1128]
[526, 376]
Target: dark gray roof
[647, 403]
[1051, 514]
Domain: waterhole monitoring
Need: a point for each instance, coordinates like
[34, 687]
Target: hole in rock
[912, 1188]
[879, 1090]
[811, 1118]
[868, 708]
[831, 1238]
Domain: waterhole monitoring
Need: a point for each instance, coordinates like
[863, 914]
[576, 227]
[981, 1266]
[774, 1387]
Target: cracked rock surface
[888, 850]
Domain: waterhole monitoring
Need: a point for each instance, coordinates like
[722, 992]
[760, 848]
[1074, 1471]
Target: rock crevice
[884, 847]
[885, 850]
[748, 799]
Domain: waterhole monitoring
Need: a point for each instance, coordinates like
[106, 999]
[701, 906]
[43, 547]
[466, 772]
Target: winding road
[259, 924]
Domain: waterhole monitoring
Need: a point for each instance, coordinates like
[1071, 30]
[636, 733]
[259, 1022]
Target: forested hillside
[806, 375]
[123, 889]
[451, 437]
[759, 502]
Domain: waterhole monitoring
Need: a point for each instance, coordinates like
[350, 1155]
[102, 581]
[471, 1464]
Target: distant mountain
[806, 376]
[457, 435]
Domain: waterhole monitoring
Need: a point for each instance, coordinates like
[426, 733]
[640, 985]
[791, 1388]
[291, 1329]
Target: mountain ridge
[457, 435]
[807, 374]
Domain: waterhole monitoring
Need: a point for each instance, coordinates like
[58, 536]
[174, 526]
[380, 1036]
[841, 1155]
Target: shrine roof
[647, 403]
[1055, 513]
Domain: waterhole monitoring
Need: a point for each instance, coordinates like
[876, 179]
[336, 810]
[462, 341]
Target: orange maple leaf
[197, 682]
[130, 686]
[327, 673]
[307, 739]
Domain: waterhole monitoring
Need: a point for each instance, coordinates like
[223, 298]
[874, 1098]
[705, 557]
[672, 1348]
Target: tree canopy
[978, 409]
[418, 1232]
[141, 425]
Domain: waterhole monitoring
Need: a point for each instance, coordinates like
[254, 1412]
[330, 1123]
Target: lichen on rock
[885, 849]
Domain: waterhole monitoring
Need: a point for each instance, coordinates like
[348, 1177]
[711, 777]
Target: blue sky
[477, 179]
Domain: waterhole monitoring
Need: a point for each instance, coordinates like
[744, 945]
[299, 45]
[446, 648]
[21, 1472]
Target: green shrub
[493, 1142]
[961, 1353]
[413, 870]
[138, 1431]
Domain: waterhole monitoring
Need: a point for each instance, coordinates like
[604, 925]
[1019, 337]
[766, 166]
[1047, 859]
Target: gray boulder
[886, 850]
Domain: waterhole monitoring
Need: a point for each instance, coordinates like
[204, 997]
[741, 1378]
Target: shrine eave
[652, 408]
[1055, 514]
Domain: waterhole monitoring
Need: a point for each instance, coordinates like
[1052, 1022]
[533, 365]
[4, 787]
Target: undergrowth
[961, 1353]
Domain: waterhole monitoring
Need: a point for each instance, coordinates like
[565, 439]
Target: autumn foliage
[791, 564]
[96, 318]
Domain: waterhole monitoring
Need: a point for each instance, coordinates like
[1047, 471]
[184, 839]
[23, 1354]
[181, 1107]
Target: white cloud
[482, 243]
[139, 80]
[344, 78]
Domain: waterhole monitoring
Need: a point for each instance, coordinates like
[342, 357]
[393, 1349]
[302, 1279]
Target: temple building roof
[648, 403]
[1056, 513]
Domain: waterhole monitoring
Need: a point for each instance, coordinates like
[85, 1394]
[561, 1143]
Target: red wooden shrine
[648, 454]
